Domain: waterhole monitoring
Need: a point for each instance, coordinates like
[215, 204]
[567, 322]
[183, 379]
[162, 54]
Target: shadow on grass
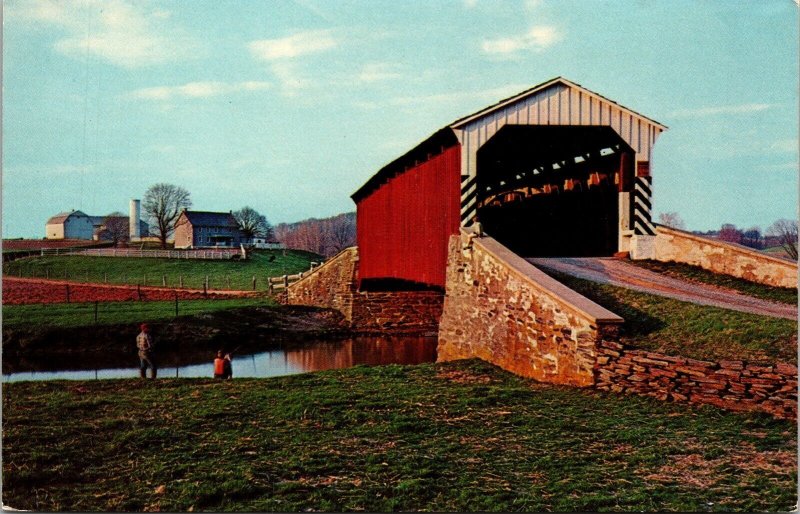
[637, 321]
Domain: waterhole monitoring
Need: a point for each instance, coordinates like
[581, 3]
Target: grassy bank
[673, 327]
[698, 274]
[453, 437]
[64, 315]
[225, 274]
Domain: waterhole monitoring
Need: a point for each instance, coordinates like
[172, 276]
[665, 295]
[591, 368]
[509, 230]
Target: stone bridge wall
[722, 257]
[732, 385]
[500, 308]
[334, 285]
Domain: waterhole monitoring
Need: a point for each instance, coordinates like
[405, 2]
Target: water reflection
[289, 359]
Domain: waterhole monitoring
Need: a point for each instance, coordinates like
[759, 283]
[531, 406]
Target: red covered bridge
[556, 170]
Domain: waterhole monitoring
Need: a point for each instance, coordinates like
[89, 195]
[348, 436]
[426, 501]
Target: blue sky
[289, 106]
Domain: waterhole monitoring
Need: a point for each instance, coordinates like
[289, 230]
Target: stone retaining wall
[500, 308]
[330, 285]
[733, 385]
[721, 257]
[333, 285]
[403, 312]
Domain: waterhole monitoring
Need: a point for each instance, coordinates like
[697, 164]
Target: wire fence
[194, 281]
[205, 254]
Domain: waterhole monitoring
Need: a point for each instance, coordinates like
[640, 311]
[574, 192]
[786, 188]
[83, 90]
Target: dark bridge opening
[553, 191]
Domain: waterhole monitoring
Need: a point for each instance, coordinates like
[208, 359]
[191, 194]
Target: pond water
[288, 359]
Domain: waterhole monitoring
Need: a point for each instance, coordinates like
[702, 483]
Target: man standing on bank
[144, 343]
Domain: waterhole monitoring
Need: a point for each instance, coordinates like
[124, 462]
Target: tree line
[326, 237]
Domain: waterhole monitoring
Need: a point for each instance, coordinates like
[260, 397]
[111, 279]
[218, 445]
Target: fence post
[105, 277]
[87, 276]
[66, 275]
[164, 280]
[286, 281]
[227, 282]
[254, 282]
[180, 281]
[271, 288]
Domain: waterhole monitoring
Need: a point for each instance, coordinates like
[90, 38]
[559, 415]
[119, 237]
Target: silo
[134, 220]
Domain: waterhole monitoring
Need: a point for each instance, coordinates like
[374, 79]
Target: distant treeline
[327, 236]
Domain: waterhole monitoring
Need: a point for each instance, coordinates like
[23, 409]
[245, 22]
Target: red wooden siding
[404, 226]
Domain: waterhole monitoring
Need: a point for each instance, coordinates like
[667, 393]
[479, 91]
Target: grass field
[698, 274]
[459, 436]
[679, 328]
[146, 271]
[110, 313]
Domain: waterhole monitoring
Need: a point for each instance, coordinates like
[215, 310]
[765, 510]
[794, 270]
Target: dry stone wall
[330, 285]
[728, 384]
[720, 257]
[334, 285]
[502, 309]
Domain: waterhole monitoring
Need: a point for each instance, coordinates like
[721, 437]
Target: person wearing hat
[144, 343]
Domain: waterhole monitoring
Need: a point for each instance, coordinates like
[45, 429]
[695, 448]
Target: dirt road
[620, 273]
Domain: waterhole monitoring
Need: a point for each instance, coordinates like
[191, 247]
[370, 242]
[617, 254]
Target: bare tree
[163, 204]
[341, 233]
[252, 223]
[728, 232]
[786, 233]
[325, 237]
[671, 219]
[116, 227]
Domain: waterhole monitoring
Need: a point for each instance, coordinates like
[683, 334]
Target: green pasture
[192, 273]
[66, 315]
[452, 437]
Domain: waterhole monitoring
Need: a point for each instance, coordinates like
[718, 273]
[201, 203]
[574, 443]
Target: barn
[556, 170]
[69, 225]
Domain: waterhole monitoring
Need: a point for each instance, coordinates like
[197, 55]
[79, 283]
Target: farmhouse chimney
[134, 220]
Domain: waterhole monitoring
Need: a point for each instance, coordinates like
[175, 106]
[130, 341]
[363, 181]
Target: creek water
[287, 359]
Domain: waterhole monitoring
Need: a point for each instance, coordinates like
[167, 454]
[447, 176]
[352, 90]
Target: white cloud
[784, 145]
[296, 45]
[378, 72]
[197, 90]
[284, 55]
[537, 38]
[700, 112]
[782, 166]
[121, 33]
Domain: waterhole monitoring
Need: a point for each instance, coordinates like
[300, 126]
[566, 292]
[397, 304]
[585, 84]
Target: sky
[289, 106]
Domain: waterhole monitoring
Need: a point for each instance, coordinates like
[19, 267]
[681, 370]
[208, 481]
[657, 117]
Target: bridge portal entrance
[554, 191]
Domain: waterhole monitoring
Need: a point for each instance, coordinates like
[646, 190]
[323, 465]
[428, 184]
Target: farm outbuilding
[557, 170]
[70, 225]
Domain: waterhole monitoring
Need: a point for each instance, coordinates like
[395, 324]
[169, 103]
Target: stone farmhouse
[198, 229]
